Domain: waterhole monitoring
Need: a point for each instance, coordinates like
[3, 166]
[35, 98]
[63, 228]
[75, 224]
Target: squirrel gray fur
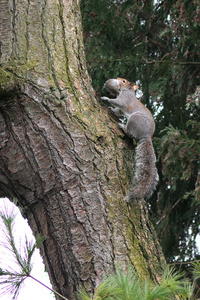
[141, 126]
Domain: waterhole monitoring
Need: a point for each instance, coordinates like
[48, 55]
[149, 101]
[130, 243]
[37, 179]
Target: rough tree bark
[61, 154]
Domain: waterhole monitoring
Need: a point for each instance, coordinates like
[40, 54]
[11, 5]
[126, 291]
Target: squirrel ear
[133, 85]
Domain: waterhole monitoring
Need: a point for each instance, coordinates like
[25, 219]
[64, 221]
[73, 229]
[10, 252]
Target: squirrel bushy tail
[146, 175]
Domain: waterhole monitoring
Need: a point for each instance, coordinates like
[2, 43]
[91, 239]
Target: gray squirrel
[141, 126]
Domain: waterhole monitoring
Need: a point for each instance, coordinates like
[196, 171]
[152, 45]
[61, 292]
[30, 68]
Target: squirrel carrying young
[140, 125]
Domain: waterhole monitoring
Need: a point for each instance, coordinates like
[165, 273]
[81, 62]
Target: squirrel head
[114, 86]
[125, 83]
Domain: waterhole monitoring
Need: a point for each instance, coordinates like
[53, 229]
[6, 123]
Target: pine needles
[20, 268]
[128, 286]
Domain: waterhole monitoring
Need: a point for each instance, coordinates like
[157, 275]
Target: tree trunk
[61, 154]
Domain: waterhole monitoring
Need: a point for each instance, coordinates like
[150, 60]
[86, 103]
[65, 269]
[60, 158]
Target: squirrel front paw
[105, 98]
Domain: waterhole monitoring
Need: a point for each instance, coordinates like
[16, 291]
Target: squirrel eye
[124, 81]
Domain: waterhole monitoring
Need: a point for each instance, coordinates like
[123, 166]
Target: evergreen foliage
[158, 44]
[124, 286]
[20, 268]
[179, 150]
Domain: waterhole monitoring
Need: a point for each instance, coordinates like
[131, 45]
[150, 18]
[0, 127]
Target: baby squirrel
[140, 125]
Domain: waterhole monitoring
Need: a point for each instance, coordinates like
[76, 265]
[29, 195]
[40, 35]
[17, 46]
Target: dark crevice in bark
[62, 22]
[46, 43]
[13, 15]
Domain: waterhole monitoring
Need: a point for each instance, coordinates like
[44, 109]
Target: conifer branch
[12, 280]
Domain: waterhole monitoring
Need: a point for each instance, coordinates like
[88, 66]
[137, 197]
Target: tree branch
[164, 216]
[173, 62]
